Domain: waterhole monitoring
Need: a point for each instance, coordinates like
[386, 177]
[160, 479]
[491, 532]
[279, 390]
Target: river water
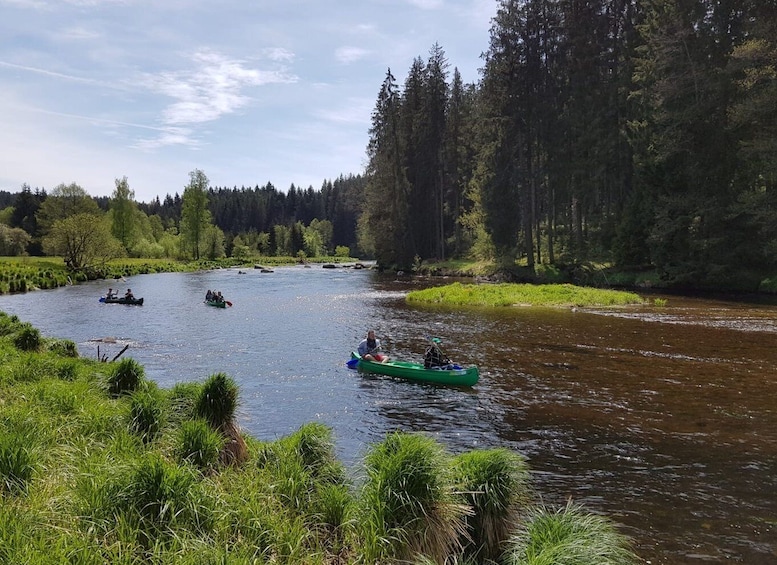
[663, 418]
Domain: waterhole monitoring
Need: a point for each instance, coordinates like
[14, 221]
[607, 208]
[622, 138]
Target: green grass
[132, 473]
[506, 294]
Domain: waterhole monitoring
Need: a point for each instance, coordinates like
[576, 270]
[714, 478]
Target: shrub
[126, 377]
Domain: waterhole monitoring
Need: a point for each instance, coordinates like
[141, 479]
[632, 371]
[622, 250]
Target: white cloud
[347, 55]
[249, 92]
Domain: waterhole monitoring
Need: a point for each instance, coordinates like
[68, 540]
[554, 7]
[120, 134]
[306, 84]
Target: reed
[216, 404]
[27, 338]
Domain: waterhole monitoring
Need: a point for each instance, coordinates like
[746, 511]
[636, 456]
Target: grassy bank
[99, 465]
[24, 274]
[507, 294]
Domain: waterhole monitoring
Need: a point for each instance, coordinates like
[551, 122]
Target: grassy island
[508, 294]
[99, 465]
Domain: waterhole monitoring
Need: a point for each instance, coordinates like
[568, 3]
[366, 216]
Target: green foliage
[495, 484]
[195, 215]
[63, 347]
[407, 506]
[570, 536]
[199, 444]
[217, 400]
[17, 463]
[126, 377]
[27, 338]
[84, 241]
[146, 415]
[522, 294]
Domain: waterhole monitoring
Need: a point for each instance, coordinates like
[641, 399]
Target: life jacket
[434, 357]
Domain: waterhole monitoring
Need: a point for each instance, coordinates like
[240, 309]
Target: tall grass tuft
[199, 444]
[570, 536]
[126, 377]
[146, 415]
[63, 347]
[27, 338]
[17, 463]
[217, 400]
[153, 501]
[407, 504]
[216, 404]
[495, 483]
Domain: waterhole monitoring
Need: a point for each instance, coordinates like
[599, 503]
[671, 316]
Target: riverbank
[98, 464]
[24, 274]
[588, 274]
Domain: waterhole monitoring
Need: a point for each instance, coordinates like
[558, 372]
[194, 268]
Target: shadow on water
[664, 418]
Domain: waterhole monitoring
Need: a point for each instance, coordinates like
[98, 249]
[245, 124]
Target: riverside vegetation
[23, 274]
[100, 465]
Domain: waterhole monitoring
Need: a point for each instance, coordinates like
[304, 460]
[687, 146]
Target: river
[663, 418]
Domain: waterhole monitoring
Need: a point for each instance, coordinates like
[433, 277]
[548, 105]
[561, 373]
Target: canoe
[122, 300]
[216, 303]
[456, 376]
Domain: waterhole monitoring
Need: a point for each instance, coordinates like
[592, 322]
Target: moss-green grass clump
[508, 294]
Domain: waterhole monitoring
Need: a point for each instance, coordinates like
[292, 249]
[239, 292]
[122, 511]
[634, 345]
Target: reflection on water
[660, 417]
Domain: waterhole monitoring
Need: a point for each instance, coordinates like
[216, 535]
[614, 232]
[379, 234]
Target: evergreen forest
[635, 133]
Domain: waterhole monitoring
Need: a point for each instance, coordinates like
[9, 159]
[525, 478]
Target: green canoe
[216, 303]
[457, 376]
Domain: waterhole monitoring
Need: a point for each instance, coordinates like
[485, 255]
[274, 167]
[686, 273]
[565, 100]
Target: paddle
[228, 303]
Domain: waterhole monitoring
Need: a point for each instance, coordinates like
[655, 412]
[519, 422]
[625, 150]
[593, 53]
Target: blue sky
[248, 91]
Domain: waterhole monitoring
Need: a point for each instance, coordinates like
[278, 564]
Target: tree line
[202, 222]
[635, 132]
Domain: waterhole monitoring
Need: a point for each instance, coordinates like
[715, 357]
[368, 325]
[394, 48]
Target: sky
[247, 91]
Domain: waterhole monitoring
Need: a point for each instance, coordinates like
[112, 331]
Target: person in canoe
[128, 295]
[434, 357]
[369, 347]
[111, 294]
